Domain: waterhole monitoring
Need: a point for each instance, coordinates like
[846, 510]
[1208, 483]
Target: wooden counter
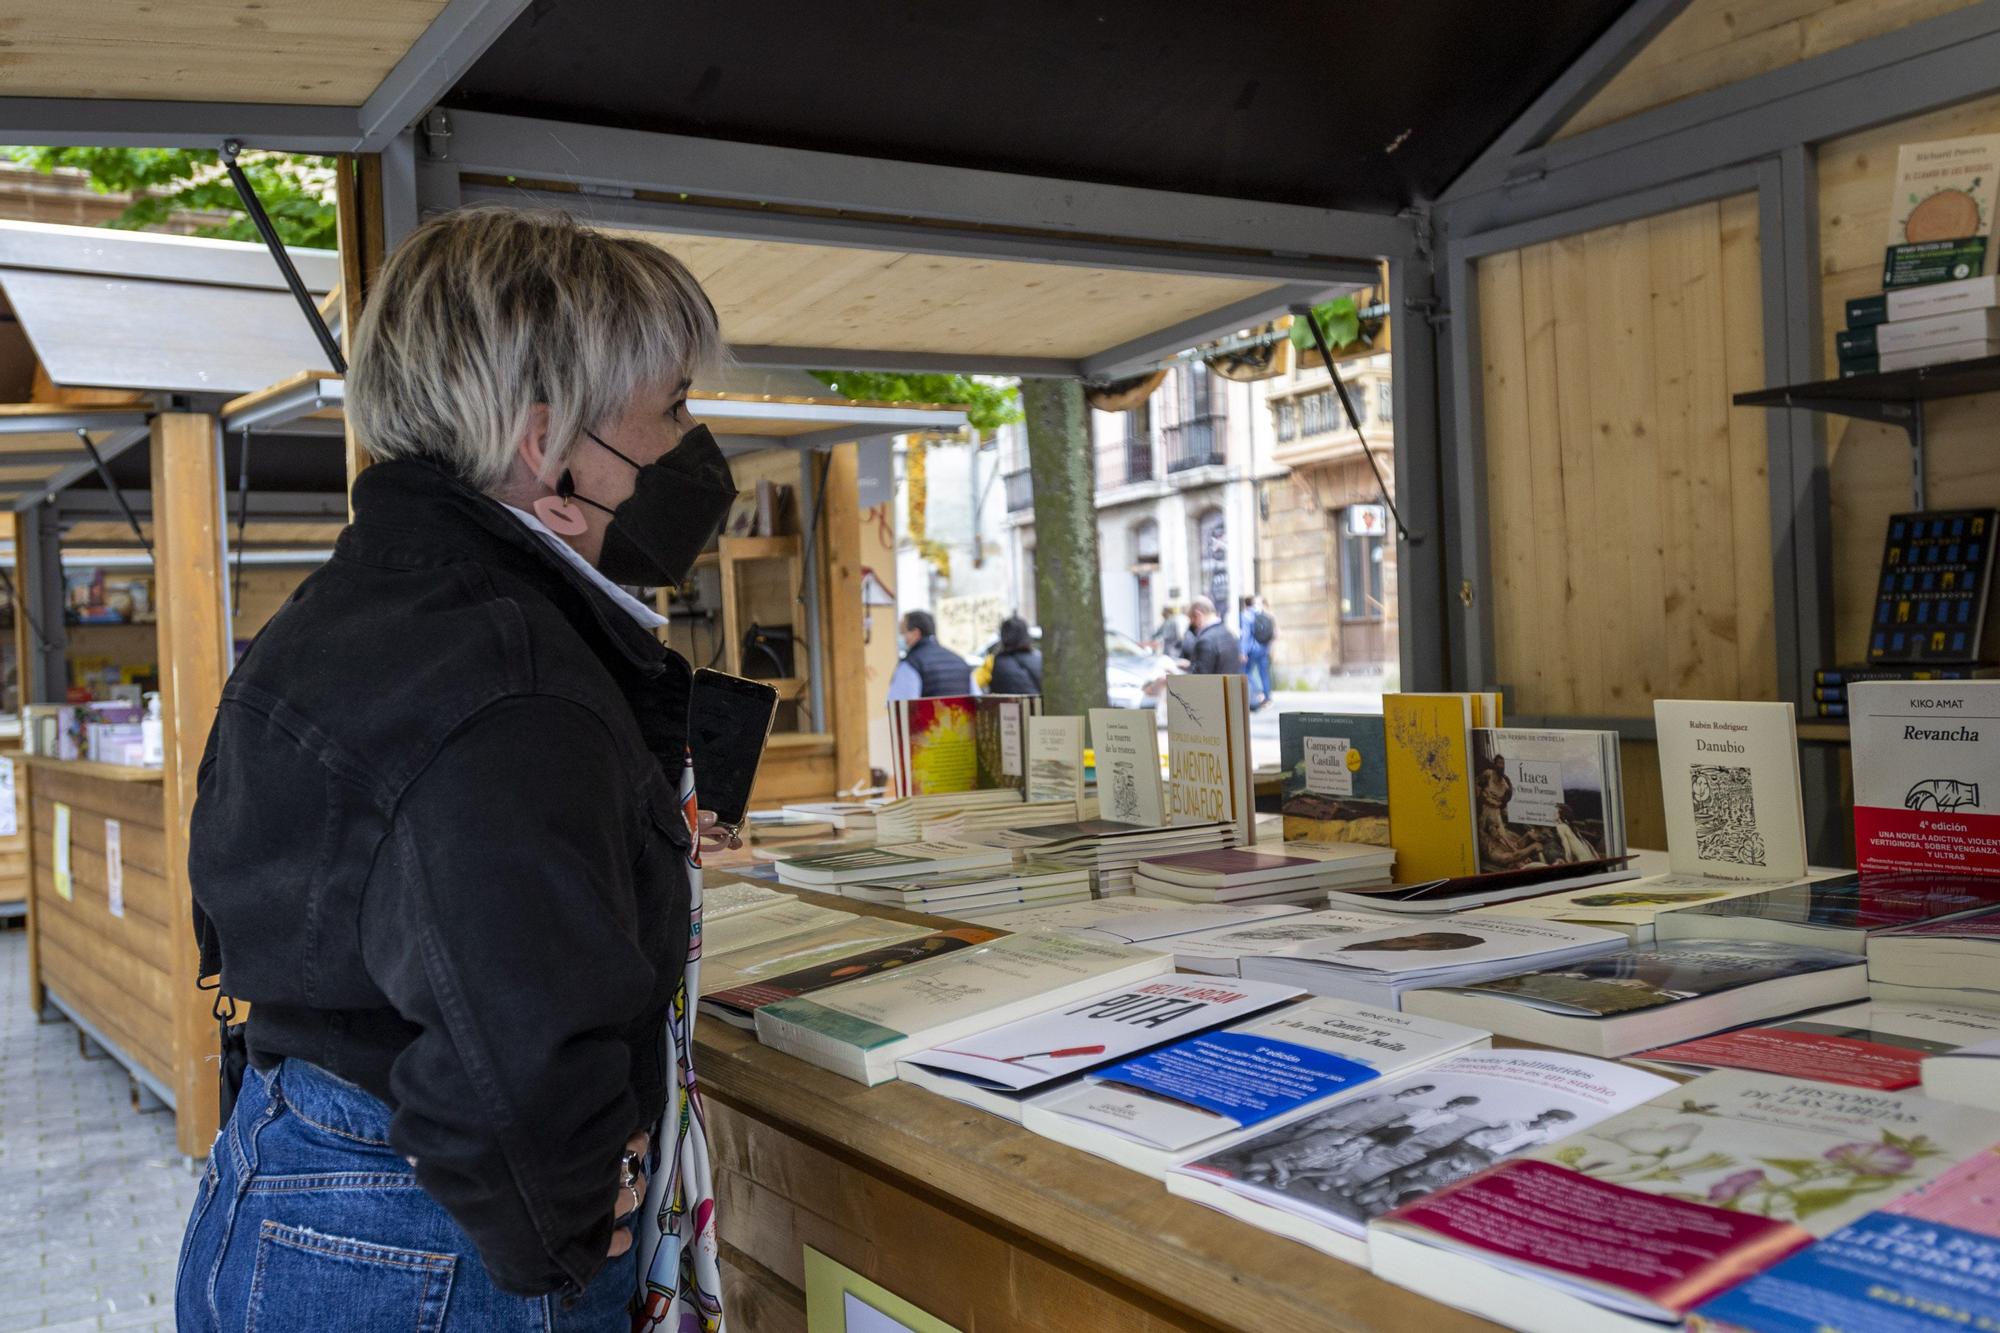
[14, 849]
[985, 1225]
[115, 976]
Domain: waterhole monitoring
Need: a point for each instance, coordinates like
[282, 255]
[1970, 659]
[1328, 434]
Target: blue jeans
[307, 1220]
[1257, 670]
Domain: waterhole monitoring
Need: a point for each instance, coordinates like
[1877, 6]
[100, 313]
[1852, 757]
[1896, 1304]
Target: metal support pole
[809, 586]
[39, 534]
[1919, 489]
[262, 221]
[1424, 609]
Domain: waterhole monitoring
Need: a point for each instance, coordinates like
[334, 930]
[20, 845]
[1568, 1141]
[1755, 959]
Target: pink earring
[560, 516]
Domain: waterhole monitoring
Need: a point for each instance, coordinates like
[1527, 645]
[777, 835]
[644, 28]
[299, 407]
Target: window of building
[1197, 391]
[1313, 409]
[1212, 541]
[1146, 542]
[1385, 401]
[1288, 421]
[1358, 395]
[1363, 593]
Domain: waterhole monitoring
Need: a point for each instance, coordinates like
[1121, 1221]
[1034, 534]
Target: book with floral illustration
[1635, 1221]
[1928, 1261]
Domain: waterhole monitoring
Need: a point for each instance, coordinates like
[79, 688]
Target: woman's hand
[715, 839]
[631, 1198]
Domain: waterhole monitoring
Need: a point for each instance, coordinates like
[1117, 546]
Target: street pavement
[93, 1194]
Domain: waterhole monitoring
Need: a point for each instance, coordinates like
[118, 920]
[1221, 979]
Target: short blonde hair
[484, 312]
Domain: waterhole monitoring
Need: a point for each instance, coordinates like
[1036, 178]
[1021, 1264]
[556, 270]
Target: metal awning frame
[290, 410]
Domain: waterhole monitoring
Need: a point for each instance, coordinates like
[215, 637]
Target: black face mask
[677, 505]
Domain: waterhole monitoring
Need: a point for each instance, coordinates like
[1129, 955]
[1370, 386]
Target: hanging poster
[64, 889]
[114, 866]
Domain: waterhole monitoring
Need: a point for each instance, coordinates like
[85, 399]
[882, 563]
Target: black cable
[41, 640]
[262, 221]
[111, 484]
[1354, 420]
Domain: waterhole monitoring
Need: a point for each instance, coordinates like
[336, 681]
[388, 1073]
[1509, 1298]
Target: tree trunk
[1068, 595]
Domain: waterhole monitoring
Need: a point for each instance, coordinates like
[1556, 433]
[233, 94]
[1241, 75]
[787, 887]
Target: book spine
[1855, 342]
[1863, 311]
[1832, 710]
[1845, 676]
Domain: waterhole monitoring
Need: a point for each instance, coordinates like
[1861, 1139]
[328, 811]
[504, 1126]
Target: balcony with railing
[1139, 457]
[1198, 442]
[1020, 491]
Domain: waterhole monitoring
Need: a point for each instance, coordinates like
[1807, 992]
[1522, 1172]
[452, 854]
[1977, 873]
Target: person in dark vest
[1017, 667]
[929, 670]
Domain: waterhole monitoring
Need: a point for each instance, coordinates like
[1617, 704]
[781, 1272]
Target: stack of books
[1842, 913]
[974, 895]
[903, 819]
[1955, 960]
[829, 870]
[1245, 874]
[1112, 851]
[1930, 325]
[1875, 1044]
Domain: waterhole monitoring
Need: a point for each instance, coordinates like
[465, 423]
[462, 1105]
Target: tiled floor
[92, 1193]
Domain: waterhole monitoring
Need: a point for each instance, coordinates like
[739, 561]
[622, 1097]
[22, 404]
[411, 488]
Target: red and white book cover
[1657, 1209]
[1926, 775]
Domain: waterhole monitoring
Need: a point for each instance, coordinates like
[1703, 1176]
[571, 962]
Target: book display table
[105, 959]
[983, 1224]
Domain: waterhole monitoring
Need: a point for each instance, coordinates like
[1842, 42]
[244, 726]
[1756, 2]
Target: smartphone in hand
[729, 722]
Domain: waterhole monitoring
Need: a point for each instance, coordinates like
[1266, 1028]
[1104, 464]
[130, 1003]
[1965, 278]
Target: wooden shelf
[760, 548]
[1825, 730]
[89, 768]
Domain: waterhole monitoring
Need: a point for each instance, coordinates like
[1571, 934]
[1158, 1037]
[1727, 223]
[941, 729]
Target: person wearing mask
[445, 843]
[1212, 649]
[929, 670]
[1017, 664]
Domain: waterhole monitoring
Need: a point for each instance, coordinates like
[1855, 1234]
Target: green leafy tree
[988, 405]
[297, 191]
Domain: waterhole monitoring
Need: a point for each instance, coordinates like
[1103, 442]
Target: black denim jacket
[439, 839]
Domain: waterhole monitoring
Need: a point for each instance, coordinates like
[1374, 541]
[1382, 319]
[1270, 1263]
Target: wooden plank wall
[1714, 43]
[1627, 501]
[1869, 465]
[117, 972]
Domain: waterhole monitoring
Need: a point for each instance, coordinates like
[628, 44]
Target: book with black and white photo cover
[1318, 1180]
[1729, 775]
[1221, 951]
[1546, 797]
[1207, 1092]
[1126, 745]
[1969, 1075]
[1958, 954]
[859, 1029]
[1055, 759]
[1926, 776]
[862, 864]
[997, 1069]
[1634, 1221]
[725, 968]
[738, 1005]
[1208, 753]
[1875, 1044]
[1639, 998]
[1379, 966]
[1335, 777]
[1845, 912]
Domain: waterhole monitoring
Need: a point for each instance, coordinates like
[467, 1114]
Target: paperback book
[859, 1029]
[1318, 1180]
[862, 864]
[1969, 1075]
[1927, 776]
[1633, 907]
[1958, 954]
[1877, 1044]
[747, 929]
[1546, 798]
[936, 744]
[1335, 783]
[1220, 951]
[1941, 212]
[1183, 919]
[1207, 1092]
[1844, 912]
[1208, 753]
[921, 892]
[1729, 774]
[1126, 743]
[738, 1005]
[996, 1069]
[723, 898]
[1242, 873]
[1000, 739]
[1928, 1262]
[724, 969]
[1476, 892]
[1379, 967]
[1637, 998]
[1429, 739]
[1055, 759]
[1636, 1220]
[1080, 916]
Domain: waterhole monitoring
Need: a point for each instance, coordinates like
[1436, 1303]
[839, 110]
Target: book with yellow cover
[1430, 785]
